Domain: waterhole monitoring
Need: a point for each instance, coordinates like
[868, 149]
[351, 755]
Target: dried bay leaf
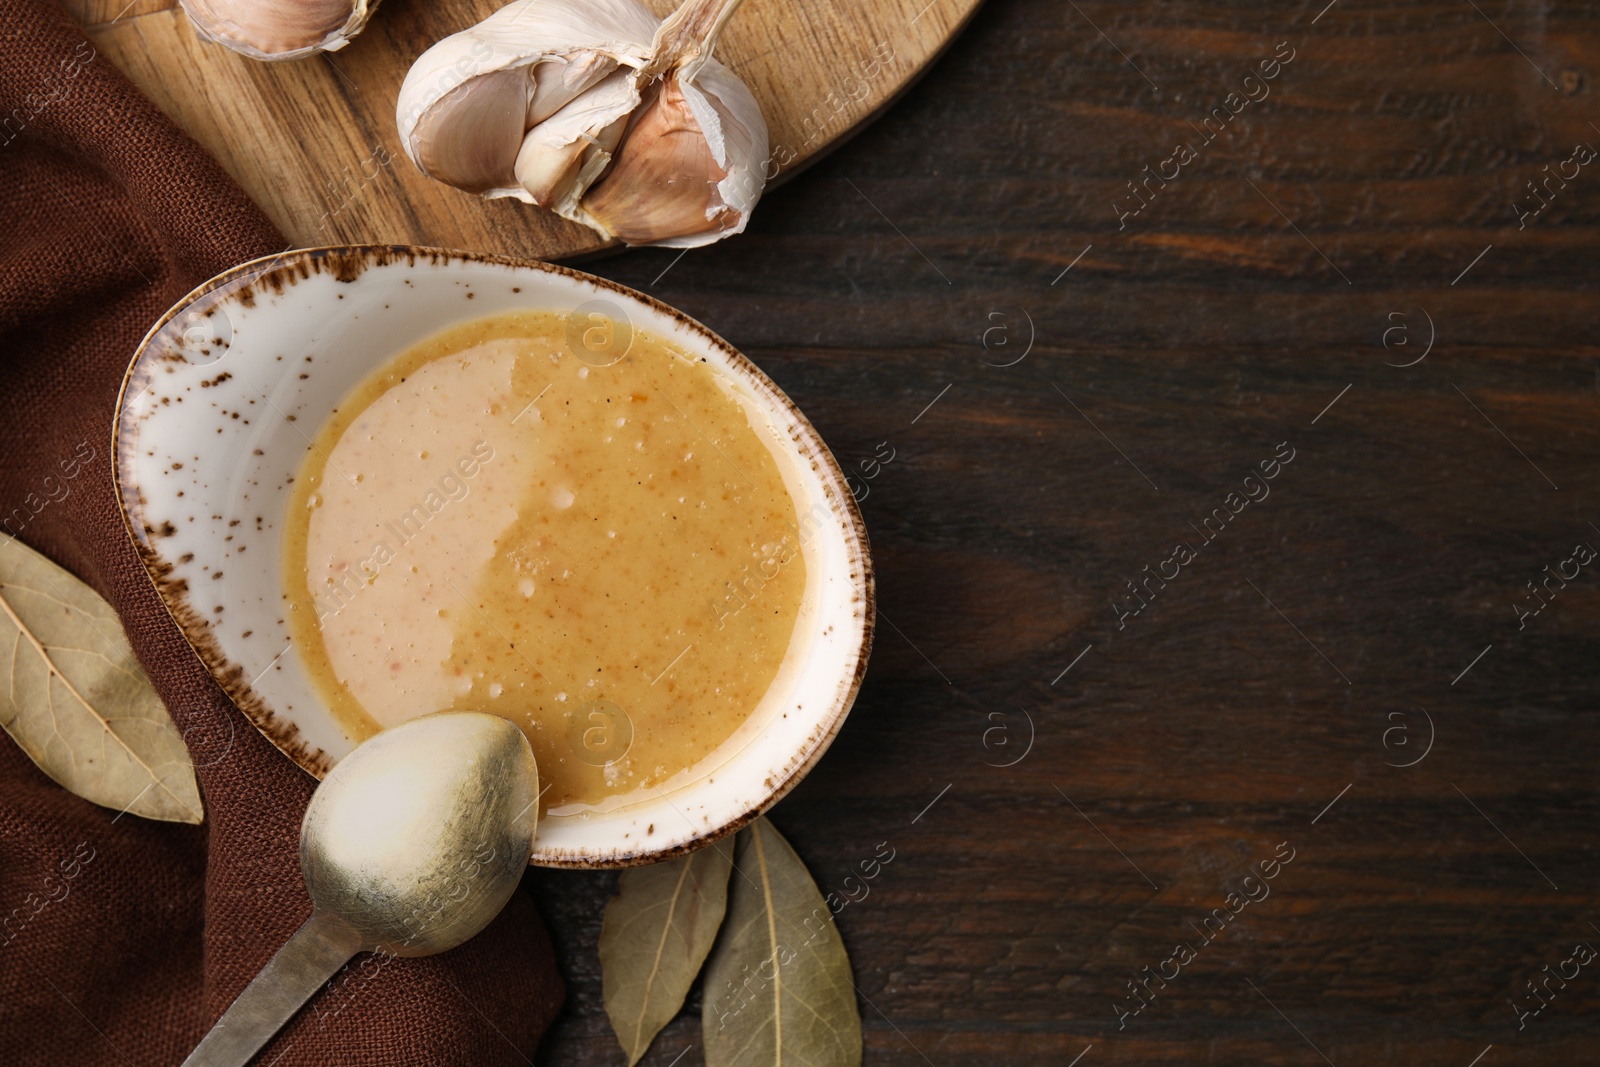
[778, 988]
[655, 937]
[74, 699]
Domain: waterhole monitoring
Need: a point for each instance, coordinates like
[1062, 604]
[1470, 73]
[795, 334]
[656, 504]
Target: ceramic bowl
[215, 418]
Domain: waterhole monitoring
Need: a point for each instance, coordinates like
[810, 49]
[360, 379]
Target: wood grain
[1193, 341]
[314, 141]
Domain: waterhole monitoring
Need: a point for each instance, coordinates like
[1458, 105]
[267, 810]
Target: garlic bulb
[595, 110]
[280, 29]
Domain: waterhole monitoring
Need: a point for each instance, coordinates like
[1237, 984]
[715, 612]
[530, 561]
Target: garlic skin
[596, 110]
[275, 30]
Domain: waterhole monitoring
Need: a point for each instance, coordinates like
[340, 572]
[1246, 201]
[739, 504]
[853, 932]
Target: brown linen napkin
[111, 215]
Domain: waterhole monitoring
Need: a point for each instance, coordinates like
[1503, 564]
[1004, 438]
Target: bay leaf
[655, 937]
[778, 988]
[74, 699]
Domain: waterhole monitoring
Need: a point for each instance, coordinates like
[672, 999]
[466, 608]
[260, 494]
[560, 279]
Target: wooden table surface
[1363, 615]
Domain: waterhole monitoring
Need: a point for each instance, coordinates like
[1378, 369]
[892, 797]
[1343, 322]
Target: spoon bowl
[414, 852]
[409, 847]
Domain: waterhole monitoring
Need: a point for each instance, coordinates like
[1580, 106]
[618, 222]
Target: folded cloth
[111, 215]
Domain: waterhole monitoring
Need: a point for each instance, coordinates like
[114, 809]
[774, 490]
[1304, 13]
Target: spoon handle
[301, 967]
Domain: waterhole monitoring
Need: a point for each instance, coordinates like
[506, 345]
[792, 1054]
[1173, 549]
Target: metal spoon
[410, 846]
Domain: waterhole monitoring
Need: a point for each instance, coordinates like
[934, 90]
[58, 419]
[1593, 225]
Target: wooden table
[1270, 690]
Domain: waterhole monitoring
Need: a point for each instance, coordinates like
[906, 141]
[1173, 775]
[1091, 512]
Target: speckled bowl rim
[283, 735]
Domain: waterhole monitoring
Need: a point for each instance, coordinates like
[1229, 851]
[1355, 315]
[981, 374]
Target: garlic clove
[688, 171]
[549, 164]
[279, 29]
[471, 142]
[556, 177]
[547, 170]
[662, 182]
[559, 80]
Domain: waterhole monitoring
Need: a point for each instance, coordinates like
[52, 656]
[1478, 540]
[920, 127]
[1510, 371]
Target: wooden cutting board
[314, 141]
